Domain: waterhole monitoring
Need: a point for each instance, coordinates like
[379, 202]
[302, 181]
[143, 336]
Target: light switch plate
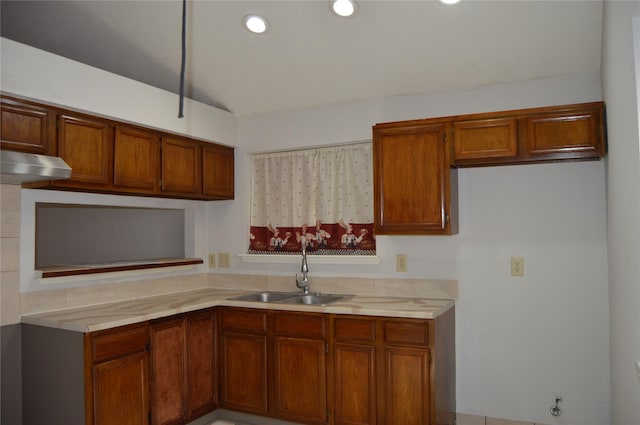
[212, 260]
[224, 260]
[401, 263]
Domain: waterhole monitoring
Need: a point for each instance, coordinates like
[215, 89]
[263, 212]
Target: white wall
[32, 73]
[520, 341]
[42, 76]
[620, 85]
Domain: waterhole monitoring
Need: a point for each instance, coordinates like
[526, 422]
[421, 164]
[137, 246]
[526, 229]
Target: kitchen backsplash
[9, 254]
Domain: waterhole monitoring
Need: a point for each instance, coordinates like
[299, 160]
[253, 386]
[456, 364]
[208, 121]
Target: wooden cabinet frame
[27, 127]
[410, 363]
[415, 190]
[108, 156]
[116, 376]
[548, 134]
[311, 368]
[183, 365]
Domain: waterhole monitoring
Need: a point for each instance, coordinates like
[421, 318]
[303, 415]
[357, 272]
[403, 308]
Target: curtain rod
[335, 145]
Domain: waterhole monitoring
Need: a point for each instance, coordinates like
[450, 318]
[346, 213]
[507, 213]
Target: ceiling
[311, 57]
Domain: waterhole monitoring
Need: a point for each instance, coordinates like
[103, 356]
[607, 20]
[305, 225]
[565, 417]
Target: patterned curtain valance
[324, 194]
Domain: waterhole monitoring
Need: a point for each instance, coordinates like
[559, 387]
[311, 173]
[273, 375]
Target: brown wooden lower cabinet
[385, 370]
[116, 376]
[202, 358]
[308, 368]
[168, 374]
[299, 385]
[355, 384]
[120, 391]
[243, 360]
[274, 364]
[407, 386]
[183, 368]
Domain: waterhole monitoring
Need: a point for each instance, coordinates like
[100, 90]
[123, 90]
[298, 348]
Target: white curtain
[296, 188]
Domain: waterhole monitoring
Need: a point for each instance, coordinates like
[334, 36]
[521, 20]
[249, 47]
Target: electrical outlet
[517, 266]
[224, 260]
[401, 263]
[212, 260]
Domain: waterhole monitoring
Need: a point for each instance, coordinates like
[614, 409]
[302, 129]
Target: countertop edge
[352, 305]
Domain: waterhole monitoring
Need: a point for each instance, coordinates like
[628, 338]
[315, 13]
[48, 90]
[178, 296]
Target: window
[322, 198]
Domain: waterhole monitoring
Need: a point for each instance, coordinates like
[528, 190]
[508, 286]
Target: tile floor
[462, 419]
[465, 419]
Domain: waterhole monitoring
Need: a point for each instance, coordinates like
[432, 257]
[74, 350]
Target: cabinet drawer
[119, 342]
[299, 325]
[406, 332]
[354, 330]
[244, 320]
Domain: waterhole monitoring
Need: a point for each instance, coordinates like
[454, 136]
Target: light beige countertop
[111, 315]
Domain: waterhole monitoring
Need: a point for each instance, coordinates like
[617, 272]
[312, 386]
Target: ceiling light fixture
[449, 2]
[256, 24]
[344, 8]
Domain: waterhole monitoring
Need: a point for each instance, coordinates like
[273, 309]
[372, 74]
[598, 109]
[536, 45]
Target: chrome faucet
[302, 282]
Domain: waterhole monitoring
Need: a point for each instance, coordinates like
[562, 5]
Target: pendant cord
[184, 51]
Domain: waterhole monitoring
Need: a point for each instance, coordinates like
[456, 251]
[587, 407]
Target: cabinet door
[300, 380]
[355, 384]
[26, 128]
[87, 146]
[217, 171]
[411, 179]
[136, 159]
[201, 366]
[485, 138]
[573, 133]
[355, 370]
[407, 386]
[120, 391]
[244, 372]
[181, 166]
[168, 386]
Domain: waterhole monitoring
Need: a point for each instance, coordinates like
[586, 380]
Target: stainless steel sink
[313, 299]
[289, 298]
[265, 297]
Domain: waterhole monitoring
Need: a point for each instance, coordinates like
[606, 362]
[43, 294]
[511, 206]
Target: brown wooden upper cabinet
[558, 133]
[136, 158]
[485, 138]
[26, 127]
[108, 156]
[86, 144]
[217, 171]
[181, 166]
[415, 190]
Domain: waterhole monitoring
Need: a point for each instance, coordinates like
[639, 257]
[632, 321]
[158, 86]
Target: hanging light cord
[184, 51]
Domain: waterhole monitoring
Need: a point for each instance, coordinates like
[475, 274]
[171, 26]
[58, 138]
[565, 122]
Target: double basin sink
[289, 298]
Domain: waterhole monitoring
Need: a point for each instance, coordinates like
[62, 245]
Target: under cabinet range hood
[19, 167]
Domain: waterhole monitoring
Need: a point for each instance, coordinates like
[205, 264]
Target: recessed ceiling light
[344, 8]
[449, 2]
[256, 24]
